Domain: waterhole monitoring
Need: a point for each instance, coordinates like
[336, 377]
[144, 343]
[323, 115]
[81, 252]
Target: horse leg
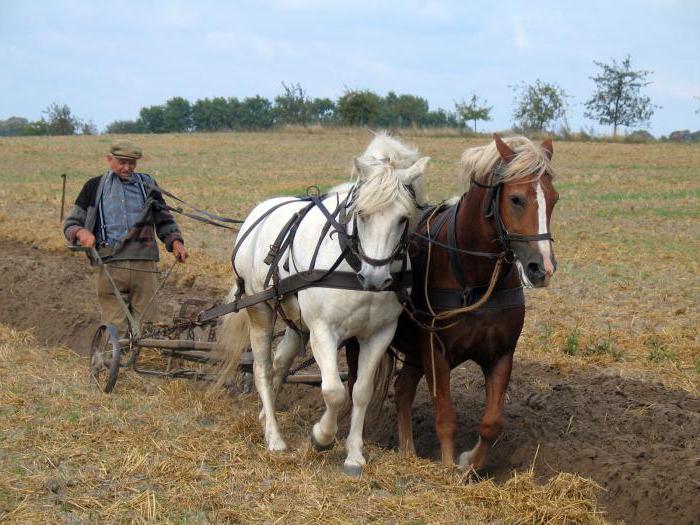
[371, 352]
[290, 346]
[404, 393]
[324, 346]
[443, 411]
[261, 340]
[497, 377]
[287, 350]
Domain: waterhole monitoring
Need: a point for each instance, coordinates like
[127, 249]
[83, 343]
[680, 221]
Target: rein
[204, 216]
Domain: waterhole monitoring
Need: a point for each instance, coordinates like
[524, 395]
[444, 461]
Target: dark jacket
[139, 243]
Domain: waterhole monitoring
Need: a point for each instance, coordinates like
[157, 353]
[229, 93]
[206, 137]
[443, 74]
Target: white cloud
[522, 40]
[246, 44]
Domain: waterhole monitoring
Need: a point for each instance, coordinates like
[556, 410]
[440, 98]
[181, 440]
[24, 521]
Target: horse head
[524, 199]
[384, 206]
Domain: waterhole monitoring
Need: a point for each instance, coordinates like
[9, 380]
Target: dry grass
[165, 452]
[626, 227]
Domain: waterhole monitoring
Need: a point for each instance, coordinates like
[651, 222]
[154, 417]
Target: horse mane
[381, 187]
[479, 162]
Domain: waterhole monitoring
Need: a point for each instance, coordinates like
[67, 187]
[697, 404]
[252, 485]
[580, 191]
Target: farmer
[119, 214]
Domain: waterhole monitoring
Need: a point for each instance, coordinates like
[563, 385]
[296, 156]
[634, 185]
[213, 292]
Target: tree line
[292, 107]
[538, 107]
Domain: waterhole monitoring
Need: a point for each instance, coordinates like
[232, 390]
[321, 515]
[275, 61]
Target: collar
[131, 180]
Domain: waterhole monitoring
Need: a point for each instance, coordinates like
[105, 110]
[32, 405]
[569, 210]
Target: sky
[106, 60]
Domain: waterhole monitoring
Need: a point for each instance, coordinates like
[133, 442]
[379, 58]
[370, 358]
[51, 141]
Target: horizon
[106, 68]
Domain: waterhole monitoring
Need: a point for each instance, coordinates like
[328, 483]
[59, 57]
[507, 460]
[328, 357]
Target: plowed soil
[639, 440]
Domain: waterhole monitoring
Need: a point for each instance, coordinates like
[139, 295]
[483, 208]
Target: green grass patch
[604, 347]
[659, 354]
[572, 342]
[545, 337]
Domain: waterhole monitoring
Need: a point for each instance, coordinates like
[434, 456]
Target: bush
[359, 108]
[37, 128]
[125, 126]
[12, 126]
[640, 137]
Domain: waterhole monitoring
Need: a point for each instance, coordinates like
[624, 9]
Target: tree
[153, 119]
[13, 126]
[474, 110]
[617, 99]
[292, 107]
[234, 113]
[88, 127]
[60, 120]
[538, 104]
[119, 127]
[441, 119]
[210, 115]
[403, 110]
[37, 128]
[177, 115]
[323, 111]
[256, 113]
[359, 108]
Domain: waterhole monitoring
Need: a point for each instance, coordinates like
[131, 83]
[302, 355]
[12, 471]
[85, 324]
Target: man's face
[122, 167]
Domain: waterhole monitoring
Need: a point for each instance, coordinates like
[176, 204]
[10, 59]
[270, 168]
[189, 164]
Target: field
[607, 367]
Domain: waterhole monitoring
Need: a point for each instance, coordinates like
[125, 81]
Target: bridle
[492, 209]
[351, 245]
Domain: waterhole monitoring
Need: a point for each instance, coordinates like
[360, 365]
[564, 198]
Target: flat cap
[125, 149]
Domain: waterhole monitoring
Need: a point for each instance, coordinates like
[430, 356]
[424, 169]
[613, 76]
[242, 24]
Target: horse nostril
[387, 282]
[361, 278]
[534, 268]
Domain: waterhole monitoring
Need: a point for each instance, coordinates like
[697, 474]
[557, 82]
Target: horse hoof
[465, 461]
[276, 445]
[354, 471]
[318, 447]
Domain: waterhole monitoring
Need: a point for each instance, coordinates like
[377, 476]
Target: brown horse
[470, 261]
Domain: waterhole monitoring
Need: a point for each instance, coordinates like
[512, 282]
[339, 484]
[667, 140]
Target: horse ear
[410, 174]
[548, 147]
[504, 150]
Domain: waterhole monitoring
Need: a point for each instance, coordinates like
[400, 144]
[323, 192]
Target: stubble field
[623, 305]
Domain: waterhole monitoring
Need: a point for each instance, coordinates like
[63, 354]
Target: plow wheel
[105, 357]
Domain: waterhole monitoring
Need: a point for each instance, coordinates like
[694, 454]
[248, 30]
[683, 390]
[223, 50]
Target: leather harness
[277, 289]
[451, 298]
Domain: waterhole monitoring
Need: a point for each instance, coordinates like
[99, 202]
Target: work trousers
[136, 282]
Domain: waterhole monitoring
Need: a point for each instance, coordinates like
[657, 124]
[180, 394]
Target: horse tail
[232, 341]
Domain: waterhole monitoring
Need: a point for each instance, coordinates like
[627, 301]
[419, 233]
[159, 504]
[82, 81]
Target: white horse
[382, 205]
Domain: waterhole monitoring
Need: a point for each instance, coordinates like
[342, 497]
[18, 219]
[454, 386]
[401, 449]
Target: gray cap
[125, 149]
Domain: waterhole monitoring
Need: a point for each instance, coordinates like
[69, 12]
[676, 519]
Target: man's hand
[85, 238]
[179, 251]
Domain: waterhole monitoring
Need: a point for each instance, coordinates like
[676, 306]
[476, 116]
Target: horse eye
[517, 200]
